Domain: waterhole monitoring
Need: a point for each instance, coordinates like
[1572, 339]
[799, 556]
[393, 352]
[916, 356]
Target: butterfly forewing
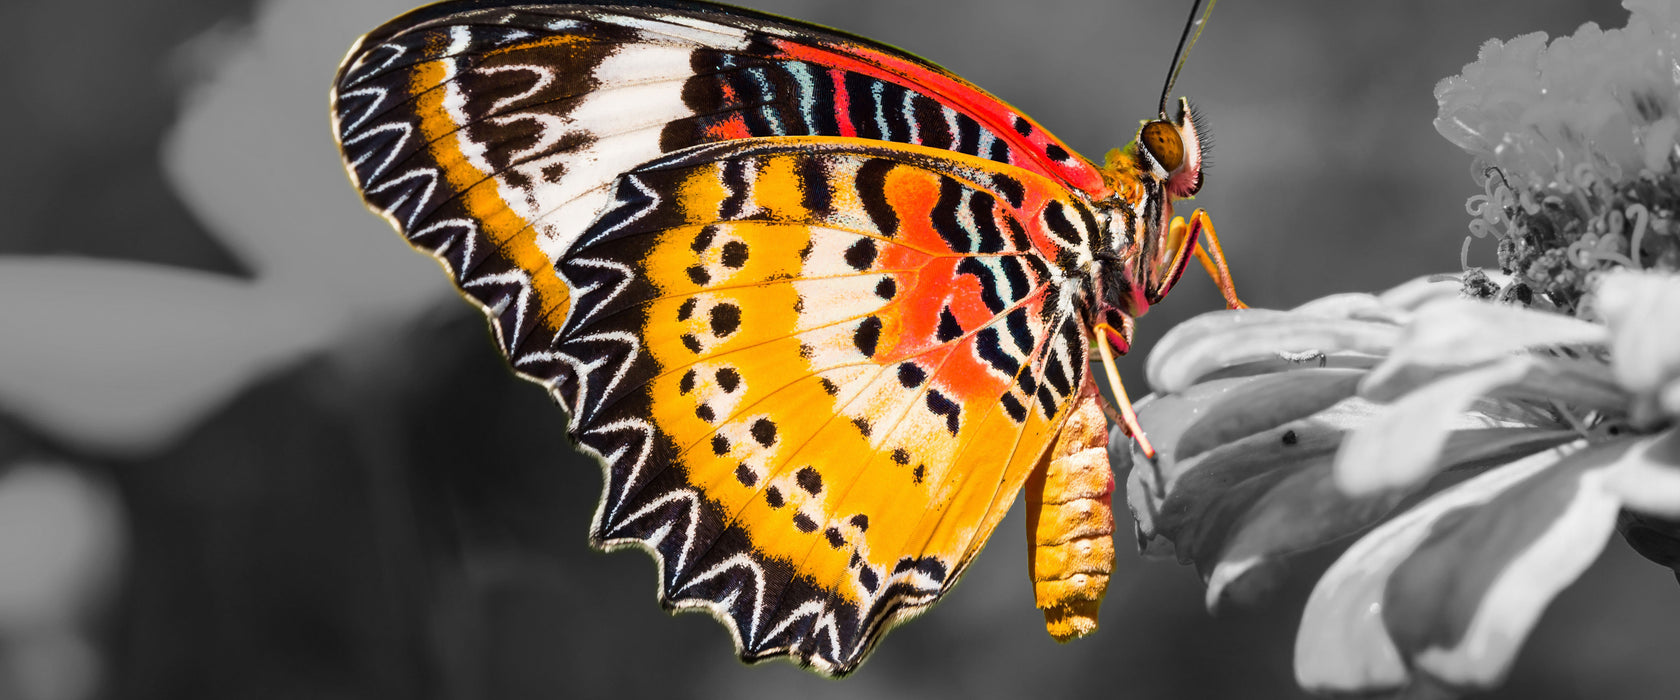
[799, 292]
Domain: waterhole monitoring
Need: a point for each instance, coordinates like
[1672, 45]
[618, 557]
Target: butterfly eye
[1163, 142]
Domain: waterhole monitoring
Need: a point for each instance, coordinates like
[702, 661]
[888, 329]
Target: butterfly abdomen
[1070, 523]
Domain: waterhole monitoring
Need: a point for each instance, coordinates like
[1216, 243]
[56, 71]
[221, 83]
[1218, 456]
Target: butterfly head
[1170, 150]
[1142, 258]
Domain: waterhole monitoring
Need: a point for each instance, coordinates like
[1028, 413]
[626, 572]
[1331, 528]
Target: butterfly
[819, 308]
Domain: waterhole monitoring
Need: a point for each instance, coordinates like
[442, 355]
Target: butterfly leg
[1070, 521]
[1127, 419]
[1123, 413]
[1212, 257]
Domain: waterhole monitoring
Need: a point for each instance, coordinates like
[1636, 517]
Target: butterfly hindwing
[840, 360]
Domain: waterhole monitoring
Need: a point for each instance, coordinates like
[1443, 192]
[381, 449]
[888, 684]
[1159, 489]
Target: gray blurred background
[251, 446]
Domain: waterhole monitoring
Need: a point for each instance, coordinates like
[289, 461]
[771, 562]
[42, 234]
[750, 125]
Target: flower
[1489, 448]
[1575, 144]
[1283, 431]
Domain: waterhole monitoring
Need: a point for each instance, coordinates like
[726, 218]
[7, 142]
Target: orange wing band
[1070, 522]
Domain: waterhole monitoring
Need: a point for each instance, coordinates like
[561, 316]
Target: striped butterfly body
[819, 308]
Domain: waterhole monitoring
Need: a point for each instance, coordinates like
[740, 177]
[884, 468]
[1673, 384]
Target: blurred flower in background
[1489, 444]
[61, 542]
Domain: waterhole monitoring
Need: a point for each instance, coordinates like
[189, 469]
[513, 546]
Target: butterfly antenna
[1192, 32]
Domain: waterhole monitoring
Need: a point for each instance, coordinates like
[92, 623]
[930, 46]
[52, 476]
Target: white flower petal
[1465, 333]
[1400, 448]
[1208, 343]
[1643, 310]
[1346, 305]
[1647, 477]
[1422, 291]
[1528, 577]
[1343, 644]
[1304, 510]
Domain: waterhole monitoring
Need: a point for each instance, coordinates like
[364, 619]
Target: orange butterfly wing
[822, 497]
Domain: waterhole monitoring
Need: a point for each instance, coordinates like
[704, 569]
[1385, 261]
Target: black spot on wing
[1016, 273]
[726, 319]
[764, 431]
[911, 375]
[968, 135]
[1027, 382]
[942, 405]
[1055, 217]
[998, 150]
[1086, 216]
[1046, 400]
[703, 239]
[931, 127]
[1018, 239]
[728, 379]
[988, 283]
[949, 329]
[981, 207]
[868, 335]
[1013, 406]
[861, 255]
[872, 186]
[734, 255]
[889, 99]
[1012, 190]
[735, 182]
[813, 187]
[860, 109]
[989, 346]
[1020, 330]
[928, 566]
[944, 216]
[1057, 377]
[809, 479]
